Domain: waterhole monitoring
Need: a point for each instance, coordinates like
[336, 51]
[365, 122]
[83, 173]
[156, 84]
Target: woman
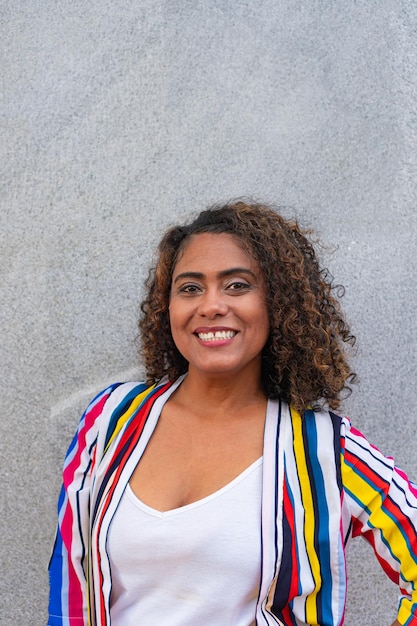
[221, 491]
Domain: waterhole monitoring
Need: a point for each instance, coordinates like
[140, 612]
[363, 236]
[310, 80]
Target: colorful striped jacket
[323, 483]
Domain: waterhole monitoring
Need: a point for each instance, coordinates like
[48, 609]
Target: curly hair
[305, 358]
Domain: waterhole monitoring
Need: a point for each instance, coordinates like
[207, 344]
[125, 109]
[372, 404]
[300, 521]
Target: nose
[212, 304]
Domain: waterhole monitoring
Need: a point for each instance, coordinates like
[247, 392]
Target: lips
[215, 335]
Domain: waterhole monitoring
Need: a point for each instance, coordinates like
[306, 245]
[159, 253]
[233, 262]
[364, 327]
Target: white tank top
[197, 564]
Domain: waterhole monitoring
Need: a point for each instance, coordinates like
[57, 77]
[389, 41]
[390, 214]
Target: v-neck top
[172, 567]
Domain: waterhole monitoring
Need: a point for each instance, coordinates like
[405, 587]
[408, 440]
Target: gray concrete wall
[119, 118]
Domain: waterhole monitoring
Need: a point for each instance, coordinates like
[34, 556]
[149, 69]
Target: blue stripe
[121, 409]
[358, 502]
[55, 581]
[399, 529]
[322, 519]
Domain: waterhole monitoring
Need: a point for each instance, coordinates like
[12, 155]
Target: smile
[218, 335]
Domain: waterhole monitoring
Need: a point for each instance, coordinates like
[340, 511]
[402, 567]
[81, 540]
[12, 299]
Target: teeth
[218, 335]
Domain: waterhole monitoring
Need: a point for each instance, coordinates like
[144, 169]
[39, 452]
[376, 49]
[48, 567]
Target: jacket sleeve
[383, 507]
[68, 598]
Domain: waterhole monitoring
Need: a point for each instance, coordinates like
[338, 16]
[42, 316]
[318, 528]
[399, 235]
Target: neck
[219, 394]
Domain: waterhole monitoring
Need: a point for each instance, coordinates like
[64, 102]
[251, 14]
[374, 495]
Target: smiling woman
[218, 314]
[223, 491]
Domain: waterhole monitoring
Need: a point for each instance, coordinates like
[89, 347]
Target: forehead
[211, 251]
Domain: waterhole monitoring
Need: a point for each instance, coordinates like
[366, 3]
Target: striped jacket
[322, 484]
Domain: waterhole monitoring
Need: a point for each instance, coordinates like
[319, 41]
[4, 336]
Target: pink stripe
[75, 591]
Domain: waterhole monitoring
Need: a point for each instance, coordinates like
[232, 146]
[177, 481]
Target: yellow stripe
[405, 611]
[123, 419]
[309, 520]
[353, 482]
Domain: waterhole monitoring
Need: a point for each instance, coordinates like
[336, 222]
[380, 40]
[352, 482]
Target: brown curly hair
[304, 360]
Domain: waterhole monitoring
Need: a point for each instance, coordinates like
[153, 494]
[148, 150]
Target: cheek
[176, 337]
[171, 319]
[260, 309]
[177, 319]
[178, 332]
[264, 324]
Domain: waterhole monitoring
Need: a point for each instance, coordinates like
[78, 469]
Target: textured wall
[121, 117]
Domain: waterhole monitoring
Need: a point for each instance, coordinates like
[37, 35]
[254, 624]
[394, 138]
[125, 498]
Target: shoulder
[360, 452]
[123, 401]
[110, 396]
[120, 391]
[119, 396]
[123, 392]
[321, 421]
[109, 400]
[318, 433]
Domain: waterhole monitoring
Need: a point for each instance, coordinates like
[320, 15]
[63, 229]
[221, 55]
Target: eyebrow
[222, 274]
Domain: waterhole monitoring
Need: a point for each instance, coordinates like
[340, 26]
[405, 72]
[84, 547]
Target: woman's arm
[383, 506]
[68, 598]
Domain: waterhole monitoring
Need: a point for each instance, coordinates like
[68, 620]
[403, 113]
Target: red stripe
[375, 479]
[293, 591]
[75, 594]
[401, 520]
[390, 572]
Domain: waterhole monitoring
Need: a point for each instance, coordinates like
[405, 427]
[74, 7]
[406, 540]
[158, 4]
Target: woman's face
[218, 313]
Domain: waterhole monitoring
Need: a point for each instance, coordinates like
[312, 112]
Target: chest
[187, 460]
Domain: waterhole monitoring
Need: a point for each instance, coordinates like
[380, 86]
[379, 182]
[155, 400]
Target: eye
[238, 285]
[189, 288]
